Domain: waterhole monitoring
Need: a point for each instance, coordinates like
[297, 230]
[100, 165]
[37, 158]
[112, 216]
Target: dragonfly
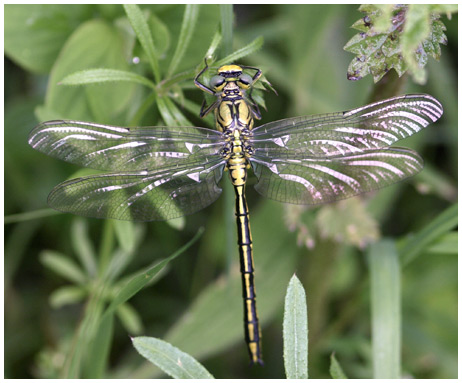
[162, 172]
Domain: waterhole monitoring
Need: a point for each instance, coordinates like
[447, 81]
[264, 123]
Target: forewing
[369, 127]
[116, 148]
[145, 196]
[316, 180]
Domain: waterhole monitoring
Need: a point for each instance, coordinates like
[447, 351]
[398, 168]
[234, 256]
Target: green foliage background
[196, 304]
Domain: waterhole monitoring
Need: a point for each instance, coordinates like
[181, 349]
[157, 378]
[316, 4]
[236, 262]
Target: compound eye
[245, 79]
[216, 81]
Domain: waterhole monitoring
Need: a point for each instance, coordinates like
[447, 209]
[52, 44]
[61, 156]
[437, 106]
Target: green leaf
[130, 319]
[62, 266]
[94, 44]
[160, 34]
[226, 11]
[386, 310]
[335, 370]
[416, 30]
[396, 37]
[125, 232]
[67, 295]
[96, 76]
[214, 45]
[447, 244]
[188, 25]
[203, 33]
[295, 331]
[83, 246]
[35, 33]
[446, 9]
[99, 349]
[170, 113]
[442, 224]
[142, 279]
[176, 113]
[169, 359]
[141, 28]
[254, 46]
[129, 235]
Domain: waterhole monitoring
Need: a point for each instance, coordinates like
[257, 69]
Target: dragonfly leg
[206, 109]
[255, 109]
[201, 86]
[256, 76]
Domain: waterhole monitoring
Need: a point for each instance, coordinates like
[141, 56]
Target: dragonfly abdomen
[252, 326]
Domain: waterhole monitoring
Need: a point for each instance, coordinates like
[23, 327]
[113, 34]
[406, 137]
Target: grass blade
[100, 349]
[445, 222]
[188, 25]
[141, 28]
[169, 359]
[386, 310]
[295, 331]
[100, 75]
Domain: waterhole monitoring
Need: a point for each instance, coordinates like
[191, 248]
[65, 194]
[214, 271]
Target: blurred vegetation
[54, 263]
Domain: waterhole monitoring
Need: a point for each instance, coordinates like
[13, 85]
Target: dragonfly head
[228, 73]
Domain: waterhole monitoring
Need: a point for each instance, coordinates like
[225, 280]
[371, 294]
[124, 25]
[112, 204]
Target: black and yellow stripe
[251, 324]
[234, 116]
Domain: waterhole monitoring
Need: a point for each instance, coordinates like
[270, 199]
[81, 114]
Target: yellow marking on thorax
[229, 68]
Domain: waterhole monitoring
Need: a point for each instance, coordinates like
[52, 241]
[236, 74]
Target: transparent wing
[144, 196]
[116, 148]
[369, 127]
[322, 180]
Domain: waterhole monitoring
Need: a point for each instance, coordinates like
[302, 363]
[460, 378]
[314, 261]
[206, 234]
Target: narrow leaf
[142, 279]
[169, 359]
[176, 113]
[130, 319]
[295, 331]
[100, 348]
[170, 113]
[188, 25]
[62, 266]
[442, 224]
[335, 370]
[386, 310]
[447, 244]
[141, 28]
[125, 233]
[226, 11]
[83, 246]
[66, 295]
[214, 44]
[100, 75]
[165, 112]
[254, 46]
